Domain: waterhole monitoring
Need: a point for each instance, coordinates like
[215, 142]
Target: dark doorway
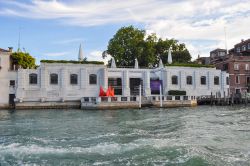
[116, 83]
[11, 100]
[134, 84]
[237, 91]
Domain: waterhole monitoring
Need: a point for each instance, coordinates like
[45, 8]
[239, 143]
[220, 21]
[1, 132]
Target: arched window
[189, 80]
[216, 80]
[174, 80]
[92, 79]
[73, 79]
[53, 79]
[33, 78]
[203, 80]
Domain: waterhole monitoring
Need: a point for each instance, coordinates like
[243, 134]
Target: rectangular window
[189, 80]
[73, 79]
[247, 66]
[12, 82]
[53, 79]
[238, 49]
[243, 48]
[236, 66]
[237, 79]
[216, 80]
[92, 79]
[227, 80]
[203, 80]
[174, 80]
[248, 46]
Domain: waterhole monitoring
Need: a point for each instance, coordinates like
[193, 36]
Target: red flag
[102, 92]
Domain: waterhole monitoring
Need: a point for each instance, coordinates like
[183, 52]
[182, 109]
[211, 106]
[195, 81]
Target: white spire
[136, 64]
[80, 54]
[113, 65]
[160, 64]
[169, 55]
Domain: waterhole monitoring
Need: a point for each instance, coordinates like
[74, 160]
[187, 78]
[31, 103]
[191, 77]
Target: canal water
[178, 136]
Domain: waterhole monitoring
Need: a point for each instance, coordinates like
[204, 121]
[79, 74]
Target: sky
[54, 29]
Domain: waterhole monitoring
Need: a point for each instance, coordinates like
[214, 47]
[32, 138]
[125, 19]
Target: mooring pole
[140, 96]
[160, 96]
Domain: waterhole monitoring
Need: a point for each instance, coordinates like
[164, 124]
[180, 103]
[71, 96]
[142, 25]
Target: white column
[44, 80]
[105, 78]
[147, 83]
[166, 82]
[125, 83]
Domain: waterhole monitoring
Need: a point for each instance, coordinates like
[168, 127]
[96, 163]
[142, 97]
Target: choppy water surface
[184, 136]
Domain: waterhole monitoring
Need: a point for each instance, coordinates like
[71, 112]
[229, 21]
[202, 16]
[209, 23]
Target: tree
[25, 60]
[129, 43]
[126, 45]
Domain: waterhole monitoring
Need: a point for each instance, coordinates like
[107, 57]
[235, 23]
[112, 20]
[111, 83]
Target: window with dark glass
[53, 79]
[237, 79]
[227, 80]
[73, 79]
[12, 82]
[33, 78]
[189, 80]
[203, 80]
[92, 79]
[174, 80]
[216, 80]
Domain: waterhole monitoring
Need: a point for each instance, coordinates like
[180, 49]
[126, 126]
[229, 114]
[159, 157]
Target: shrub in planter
[177, 92]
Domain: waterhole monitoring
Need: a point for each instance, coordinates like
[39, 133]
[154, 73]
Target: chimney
[10, 49]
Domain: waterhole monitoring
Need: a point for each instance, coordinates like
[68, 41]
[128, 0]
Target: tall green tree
[129, 43]
[25, 60]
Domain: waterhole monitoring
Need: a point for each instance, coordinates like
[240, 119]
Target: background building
[236, 63]
[7, 79]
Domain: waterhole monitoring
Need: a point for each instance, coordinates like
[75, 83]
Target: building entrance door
[134, 84]
[11, 100]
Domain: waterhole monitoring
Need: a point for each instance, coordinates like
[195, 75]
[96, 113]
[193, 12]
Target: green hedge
[190, 65]
[71, 61]
[177, 93]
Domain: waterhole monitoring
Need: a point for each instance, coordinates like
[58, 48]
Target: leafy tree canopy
[129, 43]
[25, 60]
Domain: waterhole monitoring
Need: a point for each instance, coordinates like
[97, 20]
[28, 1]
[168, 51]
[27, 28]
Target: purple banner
[155, 86]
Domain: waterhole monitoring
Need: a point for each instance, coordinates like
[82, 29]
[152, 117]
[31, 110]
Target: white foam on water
[102, 148]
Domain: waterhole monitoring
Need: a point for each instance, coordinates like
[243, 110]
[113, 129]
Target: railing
[96, 100]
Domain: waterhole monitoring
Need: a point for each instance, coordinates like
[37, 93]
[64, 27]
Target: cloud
[56, 54]
[96, 55]
[184, 20]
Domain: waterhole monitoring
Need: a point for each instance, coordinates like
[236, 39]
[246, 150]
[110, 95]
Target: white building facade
[54, 82]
